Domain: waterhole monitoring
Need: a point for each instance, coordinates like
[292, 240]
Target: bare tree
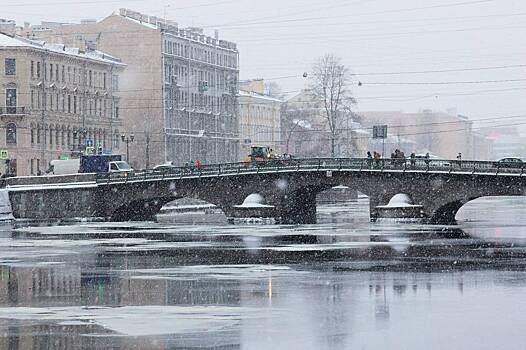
[273, 89]
[330, 86]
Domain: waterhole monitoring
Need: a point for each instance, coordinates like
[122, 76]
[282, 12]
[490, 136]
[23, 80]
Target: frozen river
[342, 284]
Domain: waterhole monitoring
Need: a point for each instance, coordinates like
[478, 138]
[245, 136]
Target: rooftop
[171, 27]
[243, 93]
[7, 41]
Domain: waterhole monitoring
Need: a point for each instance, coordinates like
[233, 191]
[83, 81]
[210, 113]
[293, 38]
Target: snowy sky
[468, 54]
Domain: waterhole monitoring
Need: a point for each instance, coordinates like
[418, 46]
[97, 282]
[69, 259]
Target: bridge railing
[322, 164]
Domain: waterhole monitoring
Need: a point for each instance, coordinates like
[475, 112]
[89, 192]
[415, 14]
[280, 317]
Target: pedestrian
[369, 159]
[198, 164]
[413, 159]
[459, 159]
[427, 158]
[39, 173]
[376, 157]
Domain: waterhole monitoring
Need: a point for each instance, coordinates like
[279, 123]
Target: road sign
[4, 154]
[380, 132]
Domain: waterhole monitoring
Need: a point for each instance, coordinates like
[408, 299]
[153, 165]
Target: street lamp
[127, 139]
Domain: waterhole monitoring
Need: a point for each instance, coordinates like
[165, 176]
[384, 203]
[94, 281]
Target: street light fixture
[127, 140]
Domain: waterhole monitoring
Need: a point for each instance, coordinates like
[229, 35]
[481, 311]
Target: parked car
[510, 162]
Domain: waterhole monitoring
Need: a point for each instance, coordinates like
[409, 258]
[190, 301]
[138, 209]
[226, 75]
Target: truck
[103, 164]
[64, 166]
[89, 164]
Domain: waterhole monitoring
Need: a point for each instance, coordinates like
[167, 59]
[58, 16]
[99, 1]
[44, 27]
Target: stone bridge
[441, 186]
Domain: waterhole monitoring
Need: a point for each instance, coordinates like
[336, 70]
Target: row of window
[188, 149]
[61, 135]
[73, 104]
[217, 125]
[200, 54]
[214, 79]
[54, 72]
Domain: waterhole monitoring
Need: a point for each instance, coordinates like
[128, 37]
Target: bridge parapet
[320, 164]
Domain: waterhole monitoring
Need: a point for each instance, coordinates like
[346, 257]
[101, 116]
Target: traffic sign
[4, 154]
[380, 132]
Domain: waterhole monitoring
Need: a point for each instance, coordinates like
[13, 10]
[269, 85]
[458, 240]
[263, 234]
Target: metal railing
[320, 164]
[12, 110]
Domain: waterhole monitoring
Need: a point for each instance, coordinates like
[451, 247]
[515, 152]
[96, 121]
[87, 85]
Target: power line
[445, 82]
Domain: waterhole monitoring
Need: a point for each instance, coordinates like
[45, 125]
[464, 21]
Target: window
[90, 77]
[115, 83]
[10, 134]
[69, 103]
[10, 66]
[38, 69]
[104, 81]
[32, 69]
[10, 101]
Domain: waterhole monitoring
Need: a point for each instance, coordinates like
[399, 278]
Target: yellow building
[53, 100]
[260, 121]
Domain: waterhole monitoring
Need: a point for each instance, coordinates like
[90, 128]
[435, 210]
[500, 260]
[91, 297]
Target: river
[344, 283]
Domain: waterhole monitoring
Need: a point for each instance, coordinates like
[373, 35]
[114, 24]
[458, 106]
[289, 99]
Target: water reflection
[335, 285]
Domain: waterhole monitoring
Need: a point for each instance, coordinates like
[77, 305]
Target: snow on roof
[7, 41]
[243, 93]
[302, 123]
[146, 24]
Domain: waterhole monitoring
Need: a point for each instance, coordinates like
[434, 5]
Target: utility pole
[147, 149]
[127, 140]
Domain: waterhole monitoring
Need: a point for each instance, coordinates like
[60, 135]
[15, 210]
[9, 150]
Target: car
[510, 162]
[166, 167]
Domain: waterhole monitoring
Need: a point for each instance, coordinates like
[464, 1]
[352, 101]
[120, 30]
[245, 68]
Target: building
[305, 132]
[56, 99]
[507, 142]
[260, 121]
[444, 134]
[179, 91]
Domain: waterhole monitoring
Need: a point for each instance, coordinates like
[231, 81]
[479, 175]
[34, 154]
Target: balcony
[10, 113]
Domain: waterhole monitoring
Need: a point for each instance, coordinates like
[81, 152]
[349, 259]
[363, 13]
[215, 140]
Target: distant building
[259, 117]
[305, 133]
[507, 142]
[442, 134]
[56, 98]
[179, 91]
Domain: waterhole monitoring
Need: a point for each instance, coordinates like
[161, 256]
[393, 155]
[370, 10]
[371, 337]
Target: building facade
[443, 134]
[179, 91]
[53, 100]
[260, 118]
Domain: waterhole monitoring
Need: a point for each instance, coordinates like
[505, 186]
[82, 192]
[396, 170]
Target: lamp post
[127, 140]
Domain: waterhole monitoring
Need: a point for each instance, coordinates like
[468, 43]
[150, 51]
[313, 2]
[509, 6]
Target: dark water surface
[341, 284]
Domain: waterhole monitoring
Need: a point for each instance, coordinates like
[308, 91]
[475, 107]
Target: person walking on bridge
[459, 159]
[369, 159]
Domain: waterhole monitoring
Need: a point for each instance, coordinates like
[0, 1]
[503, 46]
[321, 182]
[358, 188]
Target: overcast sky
[466, 54]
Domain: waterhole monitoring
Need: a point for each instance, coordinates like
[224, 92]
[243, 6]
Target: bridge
[440, 186]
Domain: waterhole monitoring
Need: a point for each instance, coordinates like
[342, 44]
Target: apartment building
[55, 100]
[260, 118]
[179, 91]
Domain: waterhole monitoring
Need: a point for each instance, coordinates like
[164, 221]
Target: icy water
[342, 284]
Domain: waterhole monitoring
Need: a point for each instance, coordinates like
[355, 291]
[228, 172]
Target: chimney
[216, 34]
[7, 27]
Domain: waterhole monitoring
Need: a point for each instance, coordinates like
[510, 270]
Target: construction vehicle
[259, 153]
